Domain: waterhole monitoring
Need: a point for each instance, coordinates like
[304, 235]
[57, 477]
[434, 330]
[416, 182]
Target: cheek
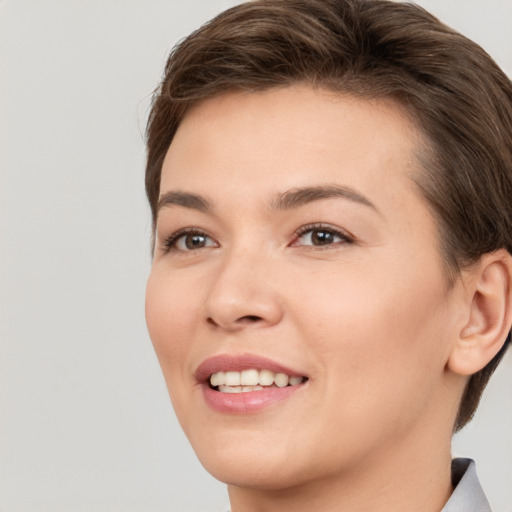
[382, 334]
[170, 318]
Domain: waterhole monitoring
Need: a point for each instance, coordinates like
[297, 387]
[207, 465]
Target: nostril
[249, 319]
[233, 323]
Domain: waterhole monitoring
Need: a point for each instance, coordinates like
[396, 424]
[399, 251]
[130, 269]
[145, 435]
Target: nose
[242, 295]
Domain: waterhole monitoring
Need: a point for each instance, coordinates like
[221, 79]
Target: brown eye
[188, 241]
[321, 236]
[194, 241]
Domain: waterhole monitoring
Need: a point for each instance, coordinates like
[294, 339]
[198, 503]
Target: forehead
[291, 137]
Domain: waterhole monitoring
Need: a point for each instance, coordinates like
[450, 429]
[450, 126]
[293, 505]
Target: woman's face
[291, 240]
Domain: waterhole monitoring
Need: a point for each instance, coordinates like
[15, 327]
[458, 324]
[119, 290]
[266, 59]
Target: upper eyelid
[183, 231]
[326, 227]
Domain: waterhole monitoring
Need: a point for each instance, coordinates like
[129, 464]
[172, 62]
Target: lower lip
[248, 402]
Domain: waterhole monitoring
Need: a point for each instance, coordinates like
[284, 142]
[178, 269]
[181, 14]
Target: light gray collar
[468, 495]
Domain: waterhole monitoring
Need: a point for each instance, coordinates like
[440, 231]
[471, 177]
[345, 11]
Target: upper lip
[229, 362]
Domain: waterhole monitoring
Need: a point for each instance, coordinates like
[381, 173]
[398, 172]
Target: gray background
[85, 420]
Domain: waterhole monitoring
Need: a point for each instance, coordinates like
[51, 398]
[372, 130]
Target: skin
[369, 317]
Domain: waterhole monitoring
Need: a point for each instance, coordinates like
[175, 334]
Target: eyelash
[345, 237]
[170, 242]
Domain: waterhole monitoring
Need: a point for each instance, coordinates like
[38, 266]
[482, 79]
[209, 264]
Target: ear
[488, 318]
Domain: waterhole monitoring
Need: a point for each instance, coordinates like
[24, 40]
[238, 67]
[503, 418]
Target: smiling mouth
[249, 380]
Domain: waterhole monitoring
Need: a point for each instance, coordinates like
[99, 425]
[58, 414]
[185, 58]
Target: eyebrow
[301, 196]
[185, 199]
[290, 199]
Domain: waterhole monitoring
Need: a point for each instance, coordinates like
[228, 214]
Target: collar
[468, 495]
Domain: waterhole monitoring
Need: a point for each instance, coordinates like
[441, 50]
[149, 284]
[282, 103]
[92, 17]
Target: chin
[254, 476]
[255, 465]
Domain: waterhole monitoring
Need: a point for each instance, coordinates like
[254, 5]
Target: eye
[188, 240]
[321, 236]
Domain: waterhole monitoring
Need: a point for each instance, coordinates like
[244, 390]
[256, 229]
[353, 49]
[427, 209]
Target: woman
[330, 182]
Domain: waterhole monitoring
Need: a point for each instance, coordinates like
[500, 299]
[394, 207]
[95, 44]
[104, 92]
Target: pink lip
[243, 403]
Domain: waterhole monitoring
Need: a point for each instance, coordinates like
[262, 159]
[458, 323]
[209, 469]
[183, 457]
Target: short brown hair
[456, 94]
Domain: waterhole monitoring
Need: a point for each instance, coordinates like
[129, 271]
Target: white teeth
[217, 379]
[249, 377]
[294, 381]
[230, 389]
[239, 389]
[281, 380]
[232, 379]
[251, 380]
[246, 389]
[266, 378]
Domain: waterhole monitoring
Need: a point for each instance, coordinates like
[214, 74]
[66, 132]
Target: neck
[408, 478]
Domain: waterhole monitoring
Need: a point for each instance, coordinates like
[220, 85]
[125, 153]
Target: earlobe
[489, 314]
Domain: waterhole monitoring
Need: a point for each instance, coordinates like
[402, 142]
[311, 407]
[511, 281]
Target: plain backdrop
[85, 421]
